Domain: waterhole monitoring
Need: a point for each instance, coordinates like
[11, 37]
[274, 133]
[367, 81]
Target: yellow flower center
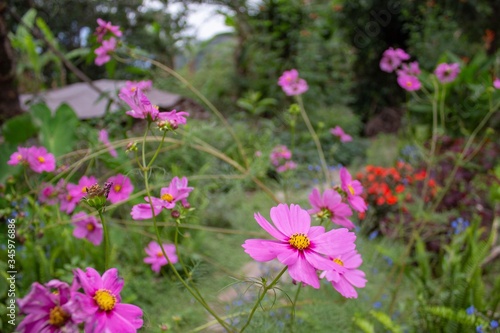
[167, 197]
[105, 300]
[338, 261]
[351, 189]
[408, 83]
[159, 254]
[57, 316]
[118, 187]
[90, 227]
[69, 197]
[19, 157]
[299, 241]
[84, 189]
[41, 159]
[133, 89]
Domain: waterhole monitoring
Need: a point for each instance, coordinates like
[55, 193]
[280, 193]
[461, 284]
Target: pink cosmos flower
[409, 83]
[88, 227]
[121, 189]
[289, 165]
[132, 86]
[104, 27]
[68, 201]
[100, 306]
[40, 160]
[345, 276]
[447, 72]
[172, 119]
[103, 51]
[80, 190]
[392, 58]
[298, 245]
[156, 258]
[50, 194]
[176, 191]
[280, 153]
[104, 138]
[19, 157]
[353, 189]
[496, 83]
[411, 69]
[47, 311]
[291, 84]
[330, 205]
[339, 132]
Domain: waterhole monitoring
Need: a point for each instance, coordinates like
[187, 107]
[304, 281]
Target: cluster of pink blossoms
[68, 196]
[408, 73]
[108, 45]
[291, 84]
[37, 158]
[176, 191]
[142, 108]
[156, 258]
[281, 158]
[339, 132]
[58, 307]
[311, 252]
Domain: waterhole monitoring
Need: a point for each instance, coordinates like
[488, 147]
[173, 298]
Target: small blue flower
[373, 235]
[459, 225]
[310, 167]
[377, 305]
[388, 260]
[470, 310]
[479, 329]
[493, 324]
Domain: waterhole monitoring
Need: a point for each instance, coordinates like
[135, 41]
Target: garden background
[403, 94]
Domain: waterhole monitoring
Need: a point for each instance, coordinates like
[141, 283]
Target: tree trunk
[9, 97]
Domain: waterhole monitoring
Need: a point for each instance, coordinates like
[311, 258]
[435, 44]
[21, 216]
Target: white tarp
[88, 103]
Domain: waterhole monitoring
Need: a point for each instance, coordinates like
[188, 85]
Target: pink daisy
[330, 205]
[40, 160]
[142, 108]
[408, 82]
[132, 86]
[411, 69]
[68, 202]
[176, 191]
[47, 309]
[291, 84]
[289, 165]
[298, 245]
[88, 227]
[447, 72]
[19, 157]
[104, 27]
[496, 83]
[392, 58]
[156, 258]
[353, 189]
[345, 276]
[339, 132]
[103, 51]
[121, 189]
[100, 303]
[50, 194]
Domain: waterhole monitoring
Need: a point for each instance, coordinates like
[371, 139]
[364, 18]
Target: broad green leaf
[40, 23]
[76, 53]
[19, 129]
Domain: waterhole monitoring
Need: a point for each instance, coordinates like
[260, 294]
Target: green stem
[107, 247]
[292, 314]
[157, 150]
[264, 292]
[430, 162]
[197, 296]
[315, 139]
